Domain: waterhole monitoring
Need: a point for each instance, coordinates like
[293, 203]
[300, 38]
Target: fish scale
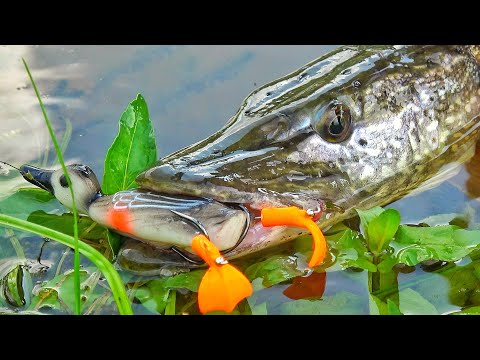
[414, 108]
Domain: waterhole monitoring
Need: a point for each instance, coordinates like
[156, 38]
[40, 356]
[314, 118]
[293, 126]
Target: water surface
[191, 92]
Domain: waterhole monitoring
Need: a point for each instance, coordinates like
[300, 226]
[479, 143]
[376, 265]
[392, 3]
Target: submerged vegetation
[370, 253]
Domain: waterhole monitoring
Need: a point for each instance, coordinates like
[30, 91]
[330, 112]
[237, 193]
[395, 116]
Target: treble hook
[200, 227]
[245, 228]
[203, 230]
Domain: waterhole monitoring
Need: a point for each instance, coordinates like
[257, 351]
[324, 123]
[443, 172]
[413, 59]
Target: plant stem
[111, 275]
[171, 302]
[76, 256]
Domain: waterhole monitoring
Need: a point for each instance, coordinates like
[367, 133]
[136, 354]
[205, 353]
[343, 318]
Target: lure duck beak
[38, 177]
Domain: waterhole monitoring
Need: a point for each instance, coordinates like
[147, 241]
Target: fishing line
[3, 162]
[26, 175]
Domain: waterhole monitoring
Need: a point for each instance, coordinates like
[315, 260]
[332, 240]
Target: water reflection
[191, 92]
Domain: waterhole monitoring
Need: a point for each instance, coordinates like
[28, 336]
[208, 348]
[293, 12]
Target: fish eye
[63, 181]
[334, 123]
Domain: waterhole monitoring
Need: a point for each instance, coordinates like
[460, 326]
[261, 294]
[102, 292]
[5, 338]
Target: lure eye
[334, 123]
[63, 181]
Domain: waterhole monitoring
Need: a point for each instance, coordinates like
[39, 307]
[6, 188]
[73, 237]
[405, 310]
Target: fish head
[359, 127]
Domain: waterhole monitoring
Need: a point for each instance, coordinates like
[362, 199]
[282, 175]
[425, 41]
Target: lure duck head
[84, 181]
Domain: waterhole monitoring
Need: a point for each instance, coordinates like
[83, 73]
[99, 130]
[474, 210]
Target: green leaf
[190, 280]
[437, 235]
[15, 283]
[366, 216]
[258, 287]
[274, 270]
[27, 200]
[87, 228]
[447, 243]
[153, 295]
[111, 275]
[473, 310]
[170, 307]
[446, 219]
[144, 296]
[381, 230]
[412, 303]
[114, 241]
[133, 150]
[349, 250]
[376, 306]
[342, 303]
[387, 263]
[260, 309]
[464, 285]
[59, 294]
[156, 295]
[392, 308]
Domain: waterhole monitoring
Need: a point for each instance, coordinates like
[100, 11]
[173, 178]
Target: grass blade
[171, 302]
[107, 269]
[76, 258]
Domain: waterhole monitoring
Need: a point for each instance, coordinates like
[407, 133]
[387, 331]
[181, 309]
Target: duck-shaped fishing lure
[181, 223]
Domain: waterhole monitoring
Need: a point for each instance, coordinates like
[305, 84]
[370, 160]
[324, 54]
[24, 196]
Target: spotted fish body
[413, 111]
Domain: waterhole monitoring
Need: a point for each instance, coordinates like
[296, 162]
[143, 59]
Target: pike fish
[359, 127]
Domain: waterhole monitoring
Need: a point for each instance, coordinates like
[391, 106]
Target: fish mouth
[256, 196]
[254, 235]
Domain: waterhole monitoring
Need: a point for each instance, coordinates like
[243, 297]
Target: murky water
[191, 92]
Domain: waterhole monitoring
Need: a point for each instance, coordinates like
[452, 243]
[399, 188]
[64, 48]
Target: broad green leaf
[342, 303]
[190, 280]
[87, 229]
[392, 308]
[155, 294]
[425, 235]
[258, 286]
[145, 297]
[473, 310]
[412, 303]
[171, 303]
[447, 243]
[15, 283]
[133, 150]
[260, 309]
[381, 230]
[114, 241]
[27, 200]
[349, 250]
[366, 216]
[387, 263]
[274, 270]
[58, 293]
[464, 285]
[446, 219]
[376, 306]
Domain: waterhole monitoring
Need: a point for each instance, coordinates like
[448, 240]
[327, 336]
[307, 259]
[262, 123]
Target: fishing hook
[199, 226]
[245, 228]
[202, 229]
